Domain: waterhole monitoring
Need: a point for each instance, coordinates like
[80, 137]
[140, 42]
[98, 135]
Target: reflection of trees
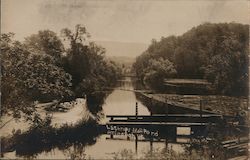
[96, 100]
[138, 85]
[41, 139]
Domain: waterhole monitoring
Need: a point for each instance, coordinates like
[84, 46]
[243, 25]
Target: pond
[86, 143]
[121, 101]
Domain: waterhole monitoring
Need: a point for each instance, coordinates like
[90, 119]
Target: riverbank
[224, 105]
[76, 112]
[21, 138]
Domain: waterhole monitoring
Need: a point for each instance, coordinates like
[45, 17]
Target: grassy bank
[219, 104]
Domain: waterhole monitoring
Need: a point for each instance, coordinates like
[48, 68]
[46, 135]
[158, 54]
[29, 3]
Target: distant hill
[128, 61]
[124, 62]
[123, 49]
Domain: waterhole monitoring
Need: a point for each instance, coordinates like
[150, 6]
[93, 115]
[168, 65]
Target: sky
[119, 20]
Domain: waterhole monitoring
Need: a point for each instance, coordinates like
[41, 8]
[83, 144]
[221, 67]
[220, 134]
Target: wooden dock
[170, 123]
[170, 120]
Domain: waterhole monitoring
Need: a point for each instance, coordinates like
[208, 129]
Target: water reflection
[119, 101]
[93, 141]
[40, 141]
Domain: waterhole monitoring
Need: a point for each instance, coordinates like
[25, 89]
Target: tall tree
[216, 52]
[27, 77]
[86, 62]
[45, 42]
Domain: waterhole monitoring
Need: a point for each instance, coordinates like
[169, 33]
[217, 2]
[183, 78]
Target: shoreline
[78, 112]
[214, 104]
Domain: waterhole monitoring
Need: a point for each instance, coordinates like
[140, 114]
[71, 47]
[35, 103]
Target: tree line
[45, 68]
[215, 52]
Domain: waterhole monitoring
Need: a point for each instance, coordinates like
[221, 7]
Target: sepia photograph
[125, 79]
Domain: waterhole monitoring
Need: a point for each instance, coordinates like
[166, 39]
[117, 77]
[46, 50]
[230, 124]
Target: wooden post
[166, 143]
[136, 143]
[166, 102]
[151, 144]
[151, 105]
[200, 108]
[136, 109]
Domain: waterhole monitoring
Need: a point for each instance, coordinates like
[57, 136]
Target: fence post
[151, 105]
[166, 102]
[136, 109]
[200, 108]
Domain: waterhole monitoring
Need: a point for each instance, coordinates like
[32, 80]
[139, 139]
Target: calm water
[120, 102]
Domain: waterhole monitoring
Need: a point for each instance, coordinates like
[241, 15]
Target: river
[121, 101]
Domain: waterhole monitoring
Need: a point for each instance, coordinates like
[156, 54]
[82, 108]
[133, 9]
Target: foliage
[157, 71]
[45, 42]
[87, 64]
[216, 52]
[27, 77]
[41, 69]
[12, 56]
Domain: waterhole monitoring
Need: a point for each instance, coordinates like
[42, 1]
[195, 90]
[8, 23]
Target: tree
[27, 77]
[13, 54]
[216, 52]
[45, 42]
[87, 64]
[76, 63]
[228, 69]
[157, 71]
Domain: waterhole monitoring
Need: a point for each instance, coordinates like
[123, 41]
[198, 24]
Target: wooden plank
[155, 115]
[147, 140]
[165, 118]
[139, 140]
[166, 115]
[160, 123]
[183, 120]
[237, 140]
[238, 146]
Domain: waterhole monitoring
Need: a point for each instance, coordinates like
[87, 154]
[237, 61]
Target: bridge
[129, 75]
[168, 128]
[169, 122]
[165, 120]
[168, 125]
[173, 128]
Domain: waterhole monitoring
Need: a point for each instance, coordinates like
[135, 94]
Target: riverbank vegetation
[46, 67]
[43, 137]
[215, 52]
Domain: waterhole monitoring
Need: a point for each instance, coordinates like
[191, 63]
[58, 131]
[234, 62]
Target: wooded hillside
[215, 52]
